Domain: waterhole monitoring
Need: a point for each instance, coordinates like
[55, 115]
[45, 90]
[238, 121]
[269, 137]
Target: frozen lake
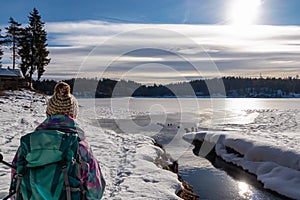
[274, 121]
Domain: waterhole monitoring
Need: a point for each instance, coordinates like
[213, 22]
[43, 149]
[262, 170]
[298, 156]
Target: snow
[127, 160]
[7, 72]
[277, 167]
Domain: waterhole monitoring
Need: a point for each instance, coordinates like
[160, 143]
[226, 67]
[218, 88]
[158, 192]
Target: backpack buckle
[74, 161]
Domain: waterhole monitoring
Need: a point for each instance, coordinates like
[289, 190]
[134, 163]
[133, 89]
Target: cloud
[90, 48]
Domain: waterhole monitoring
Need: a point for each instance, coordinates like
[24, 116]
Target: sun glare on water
[244, 190]
[244, 12]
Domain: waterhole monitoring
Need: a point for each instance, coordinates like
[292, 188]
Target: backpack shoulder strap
[67, 183]
[19, 180]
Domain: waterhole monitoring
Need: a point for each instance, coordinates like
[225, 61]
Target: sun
[244, 12]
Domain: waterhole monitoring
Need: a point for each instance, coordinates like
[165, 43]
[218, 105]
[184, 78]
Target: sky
[163, 41]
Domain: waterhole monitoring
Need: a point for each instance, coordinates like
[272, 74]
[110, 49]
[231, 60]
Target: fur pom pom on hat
[62, 102]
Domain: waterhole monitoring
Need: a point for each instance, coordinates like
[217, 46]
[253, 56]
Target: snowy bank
[277, 167]
[127, 160]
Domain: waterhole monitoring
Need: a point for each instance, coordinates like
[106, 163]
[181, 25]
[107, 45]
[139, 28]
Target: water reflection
[244, 190]
[246, 185]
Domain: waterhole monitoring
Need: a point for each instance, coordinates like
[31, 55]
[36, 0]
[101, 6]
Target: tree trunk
[14, 55]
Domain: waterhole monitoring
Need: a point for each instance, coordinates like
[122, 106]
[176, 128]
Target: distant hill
[234, 87]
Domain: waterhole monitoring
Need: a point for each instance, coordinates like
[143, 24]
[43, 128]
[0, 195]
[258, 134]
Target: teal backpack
[48, 167]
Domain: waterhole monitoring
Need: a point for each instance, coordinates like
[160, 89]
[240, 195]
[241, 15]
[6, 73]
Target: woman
[62, 109]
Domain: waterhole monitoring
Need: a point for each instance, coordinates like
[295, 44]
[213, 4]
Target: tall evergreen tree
[25, 53]
[13, 32]
[1, 51]
[33, 47]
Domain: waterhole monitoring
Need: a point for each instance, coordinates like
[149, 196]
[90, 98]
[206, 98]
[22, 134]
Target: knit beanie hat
[62, 102]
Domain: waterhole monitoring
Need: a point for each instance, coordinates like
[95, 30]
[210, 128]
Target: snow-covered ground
[127, 160]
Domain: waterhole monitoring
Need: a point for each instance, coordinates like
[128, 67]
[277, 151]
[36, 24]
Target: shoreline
[125, 158]
[168, 163]
[234, 171]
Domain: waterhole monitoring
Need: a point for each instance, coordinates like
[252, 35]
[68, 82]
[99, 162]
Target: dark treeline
[232, 86]
[91, 87]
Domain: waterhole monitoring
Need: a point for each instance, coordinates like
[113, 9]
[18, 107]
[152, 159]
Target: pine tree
[39, 45]
[25, 54]
[1, 51]
[33, 47]
[13, 32]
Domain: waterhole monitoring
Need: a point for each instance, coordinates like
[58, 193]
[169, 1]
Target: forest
[226, 86]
